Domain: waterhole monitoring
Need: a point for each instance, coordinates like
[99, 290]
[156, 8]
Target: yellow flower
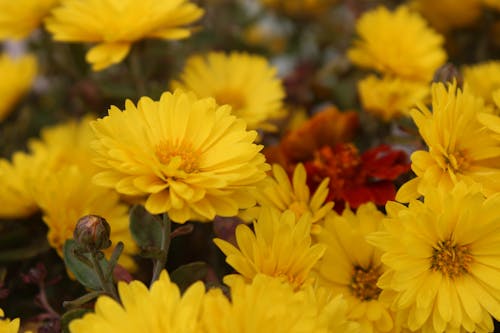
[157, 310]
[495, 4]
[280, 247]
[300, 8]
[398, 43]
[460, 147]
[68, 194]
[17, 78]
[278, 192]
[445, 15]
[19, 18]
[190, 157]
[350, 266]
[7, 325]
[116, 25]
[246, 82]
[391, 97]
[483, 79]
[268, 305]
[490, 120]
[443, 259]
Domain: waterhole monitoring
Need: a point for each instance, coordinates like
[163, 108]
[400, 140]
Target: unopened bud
[92, 231]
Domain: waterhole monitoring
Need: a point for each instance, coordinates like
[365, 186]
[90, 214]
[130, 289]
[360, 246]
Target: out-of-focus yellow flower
[445, 15]
[19, 18]
[483, 79]
[246, 82]
[68, 194]
[350, 266]
[460, 147]
[300, 8]
[398, 43]
[191, 158]
[7, 325]
[116, 25]
[443, 259]
[17, 79]
[280, 246]
[495, 4]
[157, 310]
[391, 97]
[282, 194]
[492, 121]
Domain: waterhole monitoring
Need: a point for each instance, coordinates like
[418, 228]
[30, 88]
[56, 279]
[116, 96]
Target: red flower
[356, 179]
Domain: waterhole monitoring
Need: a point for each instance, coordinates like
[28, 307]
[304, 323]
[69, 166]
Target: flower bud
[92, 231]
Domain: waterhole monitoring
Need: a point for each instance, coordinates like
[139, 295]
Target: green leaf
[186, 275]
[145, 228]
[70, 316]
[82, 271]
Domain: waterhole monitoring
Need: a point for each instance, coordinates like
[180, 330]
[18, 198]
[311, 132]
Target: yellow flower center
[299, 208]
[451, 259]
[456, 162]
[232, 97]
[188, 157]
[364, 283]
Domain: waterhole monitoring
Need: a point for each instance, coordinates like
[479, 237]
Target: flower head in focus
[245, 82]
[115, 25]
[187, 156]
[483, 79]
[280, 246]
[160, 309]
[443, 260]
[17, 78]
[19, 18]
[352, 267]
[398, 43]
[460, 147]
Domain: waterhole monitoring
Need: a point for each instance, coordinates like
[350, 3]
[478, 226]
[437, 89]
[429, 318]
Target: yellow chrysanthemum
[350, 266]
[190, 157]
[158, 310]
[68, 194]
[391, 97]
[398, 43]
[17, 78]
[19, 18]
[7, 325]
[443, 259]
[460, 147]
[268, 305]
[490, 120]
[116, 24]
[300, 8]
[448, 14]
[483, 79]
[246, 82]
[280, 246]
[278, 192]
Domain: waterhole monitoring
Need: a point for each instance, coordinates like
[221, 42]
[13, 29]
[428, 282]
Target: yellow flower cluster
[401, 47]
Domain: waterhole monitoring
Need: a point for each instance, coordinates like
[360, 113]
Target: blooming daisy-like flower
[68, 194]
[352, 267]
[483, 79]
[7, 325]
[17, 78]
[115, 25]
[190, 157]
[443, 260]
[246, 82]
[460, 147]
[281, 193]
[280, 246]
[391, 97]
[398, 43]
[300, 8]
[160, 309]
[19, 18]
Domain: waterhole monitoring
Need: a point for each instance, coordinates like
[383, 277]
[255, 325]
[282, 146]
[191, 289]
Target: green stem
[106, 281]
[136, 72]
[160, 262]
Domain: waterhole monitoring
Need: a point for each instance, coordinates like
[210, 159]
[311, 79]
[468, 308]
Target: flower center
[451, 259]
[364, 283]
[186, 156]
[232, 97]
[299, 208]
[456, 162]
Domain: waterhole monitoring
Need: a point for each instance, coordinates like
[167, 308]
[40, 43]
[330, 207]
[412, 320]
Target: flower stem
[137, 72]
[160, 262]
[106, 281]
